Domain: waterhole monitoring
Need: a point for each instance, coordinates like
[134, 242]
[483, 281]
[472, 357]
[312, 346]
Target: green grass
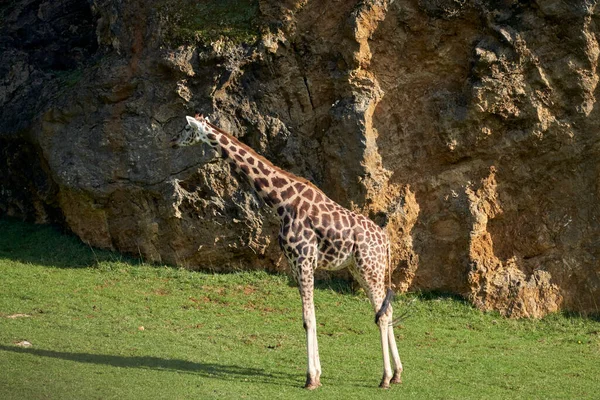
[240, 335]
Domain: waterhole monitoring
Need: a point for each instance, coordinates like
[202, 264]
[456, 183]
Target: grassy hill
[104, 326]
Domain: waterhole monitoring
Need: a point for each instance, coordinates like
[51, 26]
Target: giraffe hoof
[312, 384]
[397, 378]
[384, 385]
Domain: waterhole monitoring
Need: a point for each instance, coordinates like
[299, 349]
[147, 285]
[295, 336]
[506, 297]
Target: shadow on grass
[593, 316]
[47, 245]
[440, 295]
[338, 285]
[207, 370]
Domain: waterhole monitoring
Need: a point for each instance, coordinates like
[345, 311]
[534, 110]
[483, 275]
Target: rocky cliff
[468, 128]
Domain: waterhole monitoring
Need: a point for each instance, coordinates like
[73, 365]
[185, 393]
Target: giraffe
[315, 232]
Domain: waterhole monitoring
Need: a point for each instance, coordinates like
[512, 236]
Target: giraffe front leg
[306, 287]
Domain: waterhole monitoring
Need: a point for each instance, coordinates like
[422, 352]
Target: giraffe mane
[263, 159]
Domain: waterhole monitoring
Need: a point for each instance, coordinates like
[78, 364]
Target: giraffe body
[315, 232]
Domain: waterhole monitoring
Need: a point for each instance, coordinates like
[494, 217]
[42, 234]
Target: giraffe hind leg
[397, 378]
[384, 327]
[381, 301]
[385, 305]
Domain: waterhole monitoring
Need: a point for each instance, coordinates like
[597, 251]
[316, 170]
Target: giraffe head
[194, 132]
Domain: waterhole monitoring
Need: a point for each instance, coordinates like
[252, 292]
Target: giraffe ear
[193, 122]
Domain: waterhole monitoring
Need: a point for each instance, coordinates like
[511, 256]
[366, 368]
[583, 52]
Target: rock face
[469, 128]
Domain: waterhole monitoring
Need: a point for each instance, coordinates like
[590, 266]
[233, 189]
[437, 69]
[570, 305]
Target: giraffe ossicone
[315, 232]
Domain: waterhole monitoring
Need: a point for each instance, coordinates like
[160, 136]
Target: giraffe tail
[384, 306]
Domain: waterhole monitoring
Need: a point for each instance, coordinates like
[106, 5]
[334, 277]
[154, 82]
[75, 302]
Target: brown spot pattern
[308, 195]
[266, 171]
[279, 182]
[287, 193]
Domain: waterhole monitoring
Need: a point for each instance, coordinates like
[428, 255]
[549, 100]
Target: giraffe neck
[276, 187]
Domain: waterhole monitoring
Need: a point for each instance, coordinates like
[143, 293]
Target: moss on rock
[191, 22]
